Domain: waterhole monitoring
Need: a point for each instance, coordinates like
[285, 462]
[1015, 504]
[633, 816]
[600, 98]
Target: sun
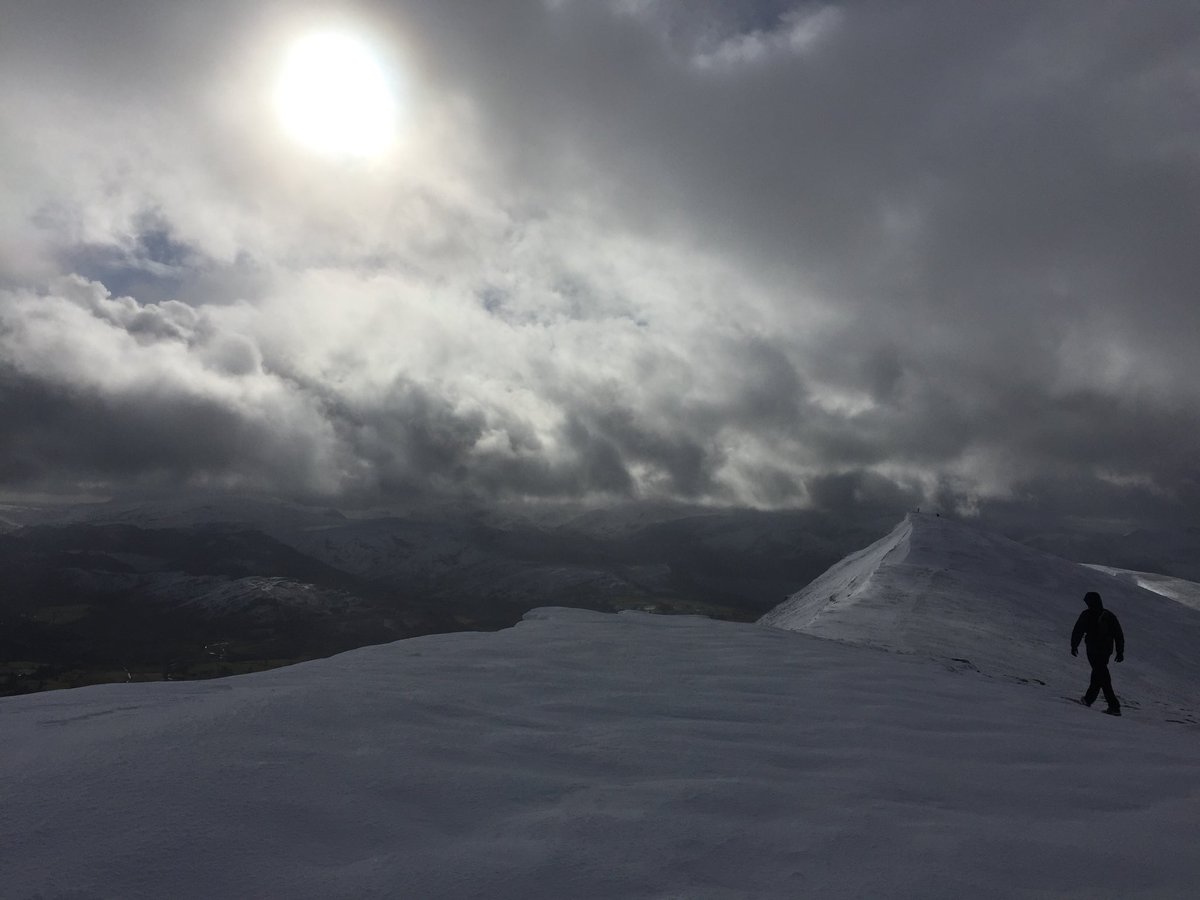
[334, 96]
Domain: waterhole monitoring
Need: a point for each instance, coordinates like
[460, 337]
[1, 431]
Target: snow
[980, 601]
[1179, 589]
[588, 755]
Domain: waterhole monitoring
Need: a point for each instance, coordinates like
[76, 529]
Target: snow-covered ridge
[842, 585]
[942, 588]
[1179, 589]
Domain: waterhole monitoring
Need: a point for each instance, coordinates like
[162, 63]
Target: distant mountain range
[132, 590]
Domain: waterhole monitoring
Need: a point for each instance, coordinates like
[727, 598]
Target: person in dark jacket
[1100, 631]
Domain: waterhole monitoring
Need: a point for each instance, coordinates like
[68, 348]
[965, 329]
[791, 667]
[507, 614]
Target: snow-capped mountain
[973, 599]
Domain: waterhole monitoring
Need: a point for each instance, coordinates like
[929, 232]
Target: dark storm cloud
[769, 252]
[976, 181]
[860, 491]
[68, 435]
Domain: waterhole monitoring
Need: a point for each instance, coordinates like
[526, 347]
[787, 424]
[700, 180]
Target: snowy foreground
[909, 737]
[590, 755]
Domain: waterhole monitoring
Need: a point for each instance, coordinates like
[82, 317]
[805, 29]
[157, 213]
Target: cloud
[765, 252]
[97, 390]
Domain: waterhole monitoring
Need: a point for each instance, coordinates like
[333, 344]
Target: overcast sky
[766, 253]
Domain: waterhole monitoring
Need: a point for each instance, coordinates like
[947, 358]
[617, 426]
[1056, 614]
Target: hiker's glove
[1120, 657]
[1074, 652]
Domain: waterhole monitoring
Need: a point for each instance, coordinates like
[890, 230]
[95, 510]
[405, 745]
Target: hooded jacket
[1100, 627]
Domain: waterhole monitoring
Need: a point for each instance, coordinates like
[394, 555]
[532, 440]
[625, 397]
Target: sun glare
[333, 96]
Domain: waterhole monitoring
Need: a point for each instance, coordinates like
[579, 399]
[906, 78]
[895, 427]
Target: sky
[772, 254]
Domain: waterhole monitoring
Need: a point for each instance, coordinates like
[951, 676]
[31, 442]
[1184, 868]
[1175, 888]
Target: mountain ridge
[939, 587]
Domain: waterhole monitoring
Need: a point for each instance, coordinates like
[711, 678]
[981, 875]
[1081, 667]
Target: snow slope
[1179, 589]
[586, 755]
[978, 600]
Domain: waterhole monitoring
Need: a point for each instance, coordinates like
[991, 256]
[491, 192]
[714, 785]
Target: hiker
[1102, 631]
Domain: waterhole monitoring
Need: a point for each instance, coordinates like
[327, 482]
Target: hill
[978, 600]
